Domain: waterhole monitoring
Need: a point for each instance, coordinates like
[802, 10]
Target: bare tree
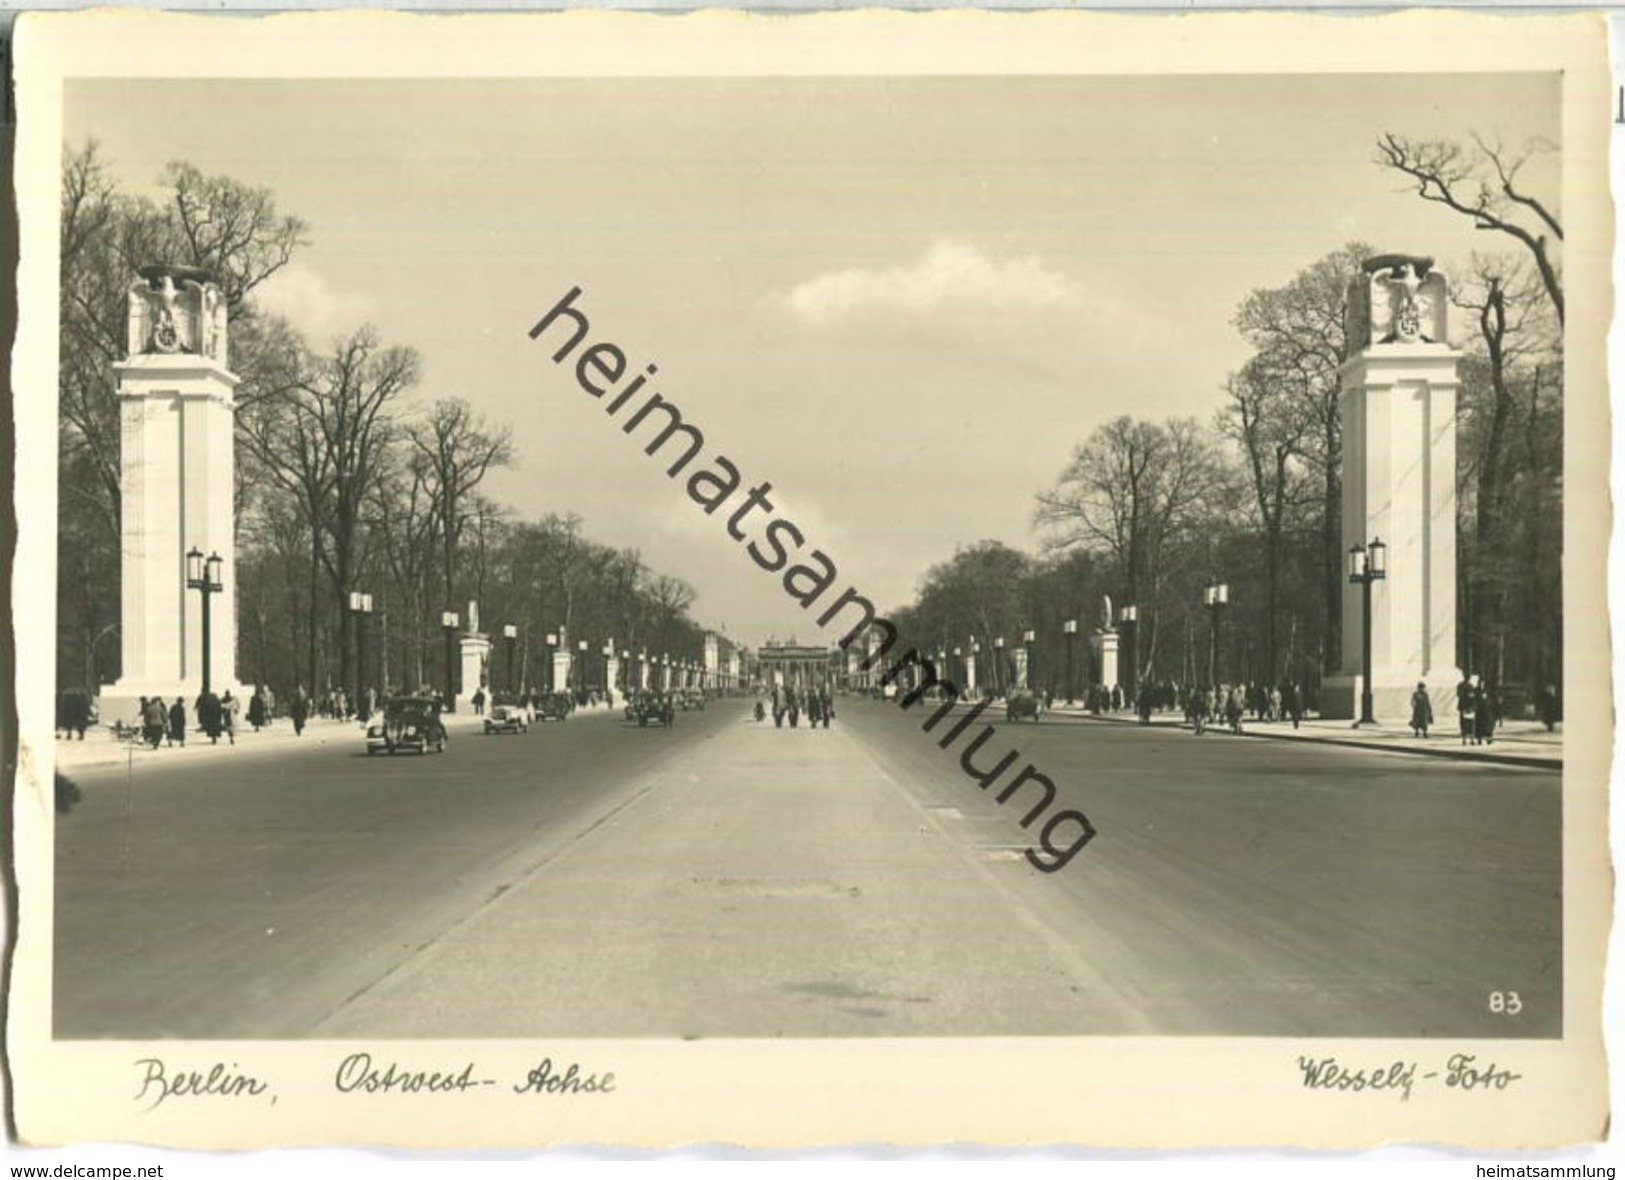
[1267, 416]
[325, 441]
[1129, 489]
[1300, 328]
[1484, 183]
[457, 448]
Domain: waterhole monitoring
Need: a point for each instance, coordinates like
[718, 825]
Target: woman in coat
[256, 710]
[1421, 711]
[177, 722]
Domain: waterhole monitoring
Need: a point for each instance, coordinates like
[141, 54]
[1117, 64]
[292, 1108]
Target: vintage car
[554, 706]
[696, 699]
[407, 723]
[1023, 705]
[507, 715]
[654, 708]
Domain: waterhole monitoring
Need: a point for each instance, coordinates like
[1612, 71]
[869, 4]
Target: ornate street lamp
[361, 609]
[1216, 597]
[1367, 564]
[203, 575]
[448, 624]
[510, 632]
[1071, 629]
[1129, 616]
[998, 665]
[1027, 639]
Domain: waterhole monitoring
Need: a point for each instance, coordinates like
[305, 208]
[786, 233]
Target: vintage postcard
[859, 578]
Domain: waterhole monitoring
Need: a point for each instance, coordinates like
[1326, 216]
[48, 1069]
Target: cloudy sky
[903, 302]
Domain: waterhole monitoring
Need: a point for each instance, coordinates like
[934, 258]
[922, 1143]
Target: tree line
[348, 478]
[1152, 512]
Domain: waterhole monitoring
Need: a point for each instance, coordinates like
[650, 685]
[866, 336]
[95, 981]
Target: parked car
[654, 708]
[407, 723]
[1023, 705]
[506, 715]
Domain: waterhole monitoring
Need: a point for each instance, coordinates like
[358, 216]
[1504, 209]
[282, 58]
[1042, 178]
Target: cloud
[949, 277]
[311, 304]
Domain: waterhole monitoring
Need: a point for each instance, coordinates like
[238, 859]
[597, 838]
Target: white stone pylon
[177, 486]
[1398, 410]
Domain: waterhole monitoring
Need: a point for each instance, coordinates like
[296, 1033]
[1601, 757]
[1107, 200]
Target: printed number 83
[1505, 1003]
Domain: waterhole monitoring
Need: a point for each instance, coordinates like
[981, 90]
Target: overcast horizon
[903, 302]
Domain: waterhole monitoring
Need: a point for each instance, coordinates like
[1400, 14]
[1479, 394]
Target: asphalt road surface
[725, 878]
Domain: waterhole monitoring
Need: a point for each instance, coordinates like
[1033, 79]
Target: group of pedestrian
[217, 715]
[787, 702]
[74, 713]
[1226, 703]
[161, 724]
[1479, 708]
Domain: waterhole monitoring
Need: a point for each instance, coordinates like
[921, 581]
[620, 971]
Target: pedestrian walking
[256, 709]
[1421, 710]
[228, 716]
[479, 701]
[1486, 715]
[177, 723]
[154, 721]
[73, 713]
[1196, 706]
[1466, 696]
[1235, 709]
[1545, 706]
[1294, 703]
[298, 711]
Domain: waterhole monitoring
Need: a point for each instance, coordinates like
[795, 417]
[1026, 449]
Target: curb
[1465, 754]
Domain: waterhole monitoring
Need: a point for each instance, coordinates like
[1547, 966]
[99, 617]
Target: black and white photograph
[856, 559]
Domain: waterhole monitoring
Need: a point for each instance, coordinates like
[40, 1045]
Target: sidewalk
[102, 748]
[1517, 743]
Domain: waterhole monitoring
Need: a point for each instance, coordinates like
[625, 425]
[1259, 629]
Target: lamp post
[1216, 597]
[581, 673]
[203, 575]
[552, 647]
[1027, 638]
[361, 607]
[1071, 629]
[510, 632]
[608, 652]
[998, 665]
[1367, 564]
[1130, 618]
[626, 670]
[448, 623]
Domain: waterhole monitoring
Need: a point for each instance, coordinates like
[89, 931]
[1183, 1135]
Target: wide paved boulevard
[725, 878]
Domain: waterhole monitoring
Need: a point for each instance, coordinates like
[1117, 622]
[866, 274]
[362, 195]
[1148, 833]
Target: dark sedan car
[408, 723]
[654, 708]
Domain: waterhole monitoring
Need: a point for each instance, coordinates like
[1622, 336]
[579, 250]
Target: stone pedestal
[1020, 658]
[969, 686]
[1105, 646]
[475, 651]
[612, 673]
[177, 487]
[713, 661]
